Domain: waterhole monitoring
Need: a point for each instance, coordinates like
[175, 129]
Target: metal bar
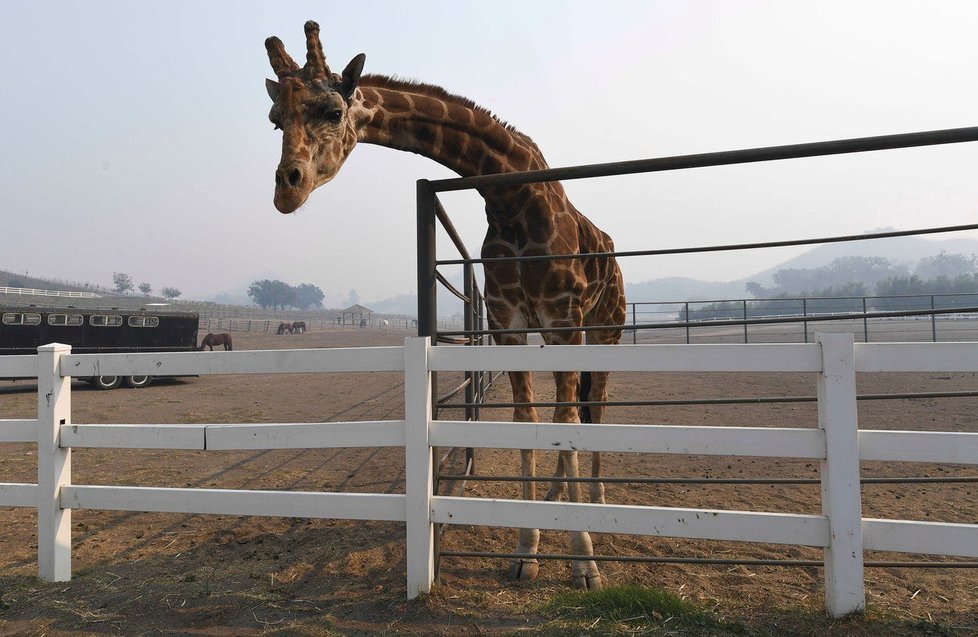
[804, 313]
[453, 340]
[465, 384]
[720, 248]
[745, 320]
[716, 401]
[464, 298]
[820, 298]
[933, 321]
[427, 283]
[468, 318]
[700, 560]
[771, 481]
[865, 323]
[634, 321]
[723, 158]
[725, 323]
[687, 322]
[446, 223]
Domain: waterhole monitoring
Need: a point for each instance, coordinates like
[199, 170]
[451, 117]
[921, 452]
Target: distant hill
[907, 250]
[14, 280]
[897, 249]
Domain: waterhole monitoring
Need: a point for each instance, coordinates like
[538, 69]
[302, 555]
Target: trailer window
[105, 320]
[65, 319]
[144, 321]
[21, 318]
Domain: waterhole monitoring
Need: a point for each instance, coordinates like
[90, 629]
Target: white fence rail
[35, 292]
[837, 443]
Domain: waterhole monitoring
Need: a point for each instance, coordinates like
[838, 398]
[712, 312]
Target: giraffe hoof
[588, 582]
[524, 570]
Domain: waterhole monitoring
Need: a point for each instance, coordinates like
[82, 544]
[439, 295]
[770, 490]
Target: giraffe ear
[272, 87]
[351, 75]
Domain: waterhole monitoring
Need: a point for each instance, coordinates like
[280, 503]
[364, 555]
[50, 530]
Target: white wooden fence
[35, 292]
[837, 443]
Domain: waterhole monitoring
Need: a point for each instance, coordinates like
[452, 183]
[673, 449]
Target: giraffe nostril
[295, 177]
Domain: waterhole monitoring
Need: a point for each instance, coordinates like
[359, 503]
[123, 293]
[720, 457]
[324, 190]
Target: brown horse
[283, 328]
[298, 327]
[216, 339]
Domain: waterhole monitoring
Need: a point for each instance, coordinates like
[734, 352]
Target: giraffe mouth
[288, 200]
[292, 187]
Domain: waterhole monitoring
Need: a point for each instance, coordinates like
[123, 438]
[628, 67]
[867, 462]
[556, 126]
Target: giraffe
[324, 115]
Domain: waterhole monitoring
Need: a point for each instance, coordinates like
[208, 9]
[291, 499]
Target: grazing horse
[216, 339]
[283, 328]
[298, 327]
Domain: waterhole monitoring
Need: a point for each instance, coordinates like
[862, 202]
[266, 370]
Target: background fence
[836, 442]
[36, 292]
[925, 317]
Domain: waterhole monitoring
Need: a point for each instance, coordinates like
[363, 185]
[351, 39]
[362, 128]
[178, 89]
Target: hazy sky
[134, 134]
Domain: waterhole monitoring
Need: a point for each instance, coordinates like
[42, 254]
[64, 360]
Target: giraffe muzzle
[292, 188]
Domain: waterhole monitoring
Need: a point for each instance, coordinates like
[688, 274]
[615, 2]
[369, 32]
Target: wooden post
[53, 465]
[418, 464]
[841, 498]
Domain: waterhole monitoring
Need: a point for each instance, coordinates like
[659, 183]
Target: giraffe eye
[333, 115]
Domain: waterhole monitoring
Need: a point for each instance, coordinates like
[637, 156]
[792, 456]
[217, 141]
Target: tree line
[843, 284]
[124, 284]
[279, 295]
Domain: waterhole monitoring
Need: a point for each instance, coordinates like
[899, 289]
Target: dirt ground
[172, 574]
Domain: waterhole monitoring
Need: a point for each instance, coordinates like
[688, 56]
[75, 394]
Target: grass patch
[632, 607]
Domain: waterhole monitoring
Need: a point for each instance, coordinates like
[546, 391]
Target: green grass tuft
[636, 605]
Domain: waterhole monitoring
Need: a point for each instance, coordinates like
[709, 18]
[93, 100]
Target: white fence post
[53, 465]
[418, 466]
[841, 498]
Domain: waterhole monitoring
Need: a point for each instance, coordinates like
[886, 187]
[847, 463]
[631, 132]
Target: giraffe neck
[448, 129]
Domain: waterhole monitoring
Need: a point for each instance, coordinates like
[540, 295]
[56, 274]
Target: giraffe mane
[432, 90]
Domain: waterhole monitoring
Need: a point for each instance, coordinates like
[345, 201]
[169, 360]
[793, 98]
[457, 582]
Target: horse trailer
[98, 330]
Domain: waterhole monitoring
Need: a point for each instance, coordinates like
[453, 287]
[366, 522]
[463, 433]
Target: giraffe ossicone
[324, 115]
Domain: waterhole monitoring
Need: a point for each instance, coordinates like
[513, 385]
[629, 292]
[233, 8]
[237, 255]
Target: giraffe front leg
[525, 569]
[598, 391]
[584, 573]
[556, 489]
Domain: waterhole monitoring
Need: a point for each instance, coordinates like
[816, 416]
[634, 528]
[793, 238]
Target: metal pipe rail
[709, 401]
[770, 481]
[722, 158]
[811, 318]
[701, 560]
[719, 248]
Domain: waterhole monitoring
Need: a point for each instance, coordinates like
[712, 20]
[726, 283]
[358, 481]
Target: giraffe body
[324, 115]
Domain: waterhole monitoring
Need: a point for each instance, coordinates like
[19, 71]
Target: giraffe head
[313, 108]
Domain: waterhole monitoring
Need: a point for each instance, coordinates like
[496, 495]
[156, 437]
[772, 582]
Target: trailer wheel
[106, 382]
[137, 382]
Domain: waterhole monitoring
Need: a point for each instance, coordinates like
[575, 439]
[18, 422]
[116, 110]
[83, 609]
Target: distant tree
[307, 294]
[122, 282]
[170, 293]
[145, 288]
[840, 272]
[912, 284]
[945, 265]
[758, 291]
[353, 298]
[274, 294]
[852, 288]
